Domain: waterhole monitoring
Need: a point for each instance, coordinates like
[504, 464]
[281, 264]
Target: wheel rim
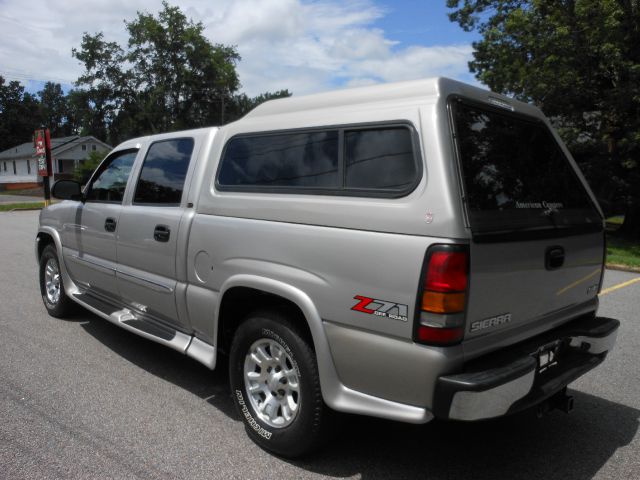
[272, 383]
[52, 283]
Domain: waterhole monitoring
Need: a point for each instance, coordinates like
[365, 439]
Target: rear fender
[334, 393]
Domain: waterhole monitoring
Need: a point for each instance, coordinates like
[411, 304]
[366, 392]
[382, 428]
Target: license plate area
[547, 355]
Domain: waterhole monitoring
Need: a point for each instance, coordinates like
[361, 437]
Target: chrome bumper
[516, 380]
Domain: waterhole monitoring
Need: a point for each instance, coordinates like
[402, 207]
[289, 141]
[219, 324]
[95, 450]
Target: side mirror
[67, 190]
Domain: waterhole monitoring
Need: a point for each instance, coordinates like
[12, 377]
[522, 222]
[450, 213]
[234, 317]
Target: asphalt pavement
[82, 398]
[7, 198]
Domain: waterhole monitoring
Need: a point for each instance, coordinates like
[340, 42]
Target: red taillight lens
[439, 335]
[447, 272]
[440, 320]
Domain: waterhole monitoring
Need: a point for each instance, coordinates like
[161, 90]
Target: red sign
[42, 143]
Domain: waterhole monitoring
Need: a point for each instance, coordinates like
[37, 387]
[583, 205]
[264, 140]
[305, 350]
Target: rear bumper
[515, 378]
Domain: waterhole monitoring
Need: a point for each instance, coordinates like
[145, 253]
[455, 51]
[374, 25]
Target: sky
[302, 46]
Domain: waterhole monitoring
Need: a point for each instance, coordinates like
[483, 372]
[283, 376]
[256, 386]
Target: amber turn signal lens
[436, 302]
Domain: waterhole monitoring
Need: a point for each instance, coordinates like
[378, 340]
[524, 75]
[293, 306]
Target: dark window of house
[164, 171]
[516, 176]
[29, 167]
[380, 159]
[84, 148]
[93, 147]
[15, 172]
[60, 169]
[111, 178]
[5, 166]
[302, 160]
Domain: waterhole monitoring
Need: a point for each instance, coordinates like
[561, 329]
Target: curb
[622, 268]
[23, 210]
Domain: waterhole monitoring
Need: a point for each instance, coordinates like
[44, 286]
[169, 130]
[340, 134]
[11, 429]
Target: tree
[242, 104]
[84, 171]
[579, 60]
[106, 84]
[19, 114]
[182, 80]
[53, 109]
[177, 79]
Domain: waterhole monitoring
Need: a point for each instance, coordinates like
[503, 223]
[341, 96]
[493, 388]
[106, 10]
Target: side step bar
[146, 327]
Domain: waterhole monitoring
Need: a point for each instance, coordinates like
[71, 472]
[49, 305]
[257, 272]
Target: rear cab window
[515, 176]
[378, 161]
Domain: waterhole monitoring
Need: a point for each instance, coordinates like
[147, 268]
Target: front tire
[55, 300]
[275, 385]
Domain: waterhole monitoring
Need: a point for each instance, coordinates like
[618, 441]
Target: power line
[22, 76]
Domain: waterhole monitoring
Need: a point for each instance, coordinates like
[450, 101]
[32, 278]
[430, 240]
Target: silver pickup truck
[406, 251]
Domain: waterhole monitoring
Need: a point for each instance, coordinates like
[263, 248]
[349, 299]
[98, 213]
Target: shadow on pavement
[168, 364]
[573, 446]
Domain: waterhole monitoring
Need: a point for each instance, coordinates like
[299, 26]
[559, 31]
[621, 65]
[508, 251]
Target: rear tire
[275, 385]
[55, 300]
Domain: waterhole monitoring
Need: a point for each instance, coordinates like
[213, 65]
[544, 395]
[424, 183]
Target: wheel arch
[276, 294]
[50, 236]
[335, 394]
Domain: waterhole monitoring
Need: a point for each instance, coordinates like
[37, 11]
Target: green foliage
[168, 77]
[578, 60]
[53, 109]
[180, 79]
[19, 114]
[84, 171]
[242, 104]
[621, 251]
[8, 207]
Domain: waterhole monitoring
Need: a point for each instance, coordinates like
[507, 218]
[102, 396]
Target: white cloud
[305, 47]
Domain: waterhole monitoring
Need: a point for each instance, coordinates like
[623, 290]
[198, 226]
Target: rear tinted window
[380, 159]
[516, 176]
[289, 160]
[163, 172]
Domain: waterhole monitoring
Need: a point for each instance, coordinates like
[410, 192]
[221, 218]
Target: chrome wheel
[52, 283]
[271, 382]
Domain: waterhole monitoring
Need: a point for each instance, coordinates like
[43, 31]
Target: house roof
[60, 144]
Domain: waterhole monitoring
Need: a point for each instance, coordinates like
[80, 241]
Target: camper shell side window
[372, 160]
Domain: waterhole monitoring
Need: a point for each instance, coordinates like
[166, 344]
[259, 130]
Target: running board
[147, 328]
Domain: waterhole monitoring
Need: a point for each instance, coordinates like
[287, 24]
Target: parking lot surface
[82, 398]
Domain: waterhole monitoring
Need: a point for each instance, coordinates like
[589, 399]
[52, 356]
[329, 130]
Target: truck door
[148, 232]
[89, 239]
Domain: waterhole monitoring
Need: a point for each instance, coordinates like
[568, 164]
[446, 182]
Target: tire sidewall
[48, 254]
[297, 436]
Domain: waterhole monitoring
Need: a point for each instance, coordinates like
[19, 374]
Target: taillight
[443, 295]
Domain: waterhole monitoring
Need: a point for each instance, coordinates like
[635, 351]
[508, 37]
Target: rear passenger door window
[163, 173]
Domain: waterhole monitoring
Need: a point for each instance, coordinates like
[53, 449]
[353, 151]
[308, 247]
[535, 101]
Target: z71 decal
[381, 308]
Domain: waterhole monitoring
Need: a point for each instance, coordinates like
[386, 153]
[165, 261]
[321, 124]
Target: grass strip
[8, 207]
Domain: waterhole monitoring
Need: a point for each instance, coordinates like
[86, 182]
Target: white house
[19, 166]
